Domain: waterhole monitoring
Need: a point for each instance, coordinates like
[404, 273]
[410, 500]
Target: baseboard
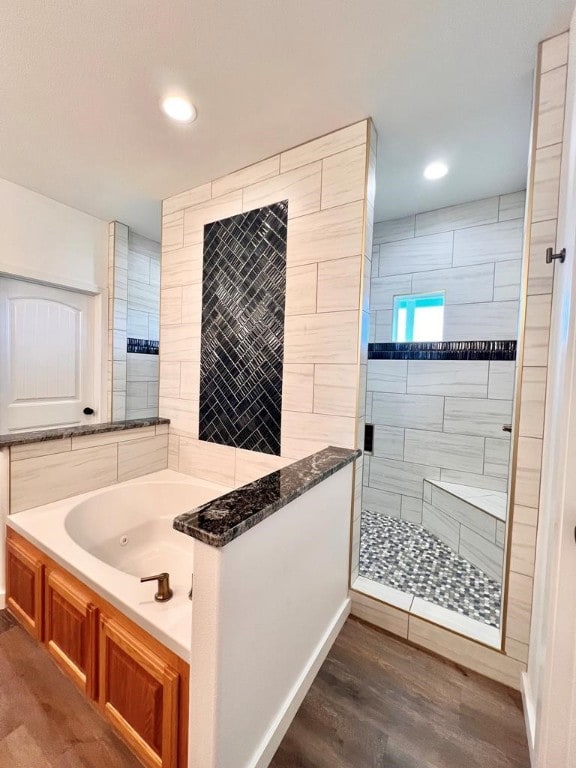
[276, 732]
[2, 600]
[529, 715]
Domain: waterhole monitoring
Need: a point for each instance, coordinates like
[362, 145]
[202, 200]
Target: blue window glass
[418, 317]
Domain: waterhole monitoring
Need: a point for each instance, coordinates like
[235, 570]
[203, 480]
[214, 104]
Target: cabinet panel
[24, 583]
[71, 630]
[139, 694]
[140, 686]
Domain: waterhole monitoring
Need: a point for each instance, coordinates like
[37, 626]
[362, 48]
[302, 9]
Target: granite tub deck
[221, 521]
[61, 433]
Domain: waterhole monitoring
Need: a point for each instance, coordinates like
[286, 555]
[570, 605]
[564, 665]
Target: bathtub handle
[164, 592]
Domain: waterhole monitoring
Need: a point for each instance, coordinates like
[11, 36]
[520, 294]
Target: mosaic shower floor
[406, 556]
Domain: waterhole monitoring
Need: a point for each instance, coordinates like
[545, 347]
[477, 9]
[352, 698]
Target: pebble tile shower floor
[406, 556]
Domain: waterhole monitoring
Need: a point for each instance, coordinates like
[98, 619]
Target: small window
[419, 317]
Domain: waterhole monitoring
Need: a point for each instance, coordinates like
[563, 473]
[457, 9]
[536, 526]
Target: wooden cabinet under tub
[24, 584]
[70, 629]
[139, 695]
[139, 685]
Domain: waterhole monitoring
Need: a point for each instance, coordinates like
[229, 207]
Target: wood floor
[376, 703]
[44, 721]
[379, 703]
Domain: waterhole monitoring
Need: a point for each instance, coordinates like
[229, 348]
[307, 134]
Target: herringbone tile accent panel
[242, 351]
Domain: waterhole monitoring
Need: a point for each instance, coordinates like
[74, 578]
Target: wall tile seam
[453, 232]
[428, 272]
[561, 142]
[323, 157]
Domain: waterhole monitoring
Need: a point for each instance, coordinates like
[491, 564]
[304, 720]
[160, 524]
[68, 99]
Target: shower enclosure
[445, 292]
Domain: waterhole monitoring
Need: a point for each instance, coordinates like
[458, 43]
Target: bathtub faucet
[164, 592]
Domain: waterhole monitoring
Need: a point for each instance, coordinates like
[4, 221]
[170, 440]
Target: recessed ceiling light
[436, 170]
[179, 109]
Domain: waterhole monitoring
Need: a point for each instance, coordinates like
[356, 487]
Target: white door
[46, 356]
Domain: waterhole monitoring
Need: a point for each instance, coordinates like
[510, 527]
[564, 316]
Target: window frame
[412, 302]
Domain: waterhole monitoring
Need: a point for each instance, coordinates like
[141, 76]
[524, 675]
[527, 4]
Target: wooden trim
[66, 664]
[92, 666]
[20, 549]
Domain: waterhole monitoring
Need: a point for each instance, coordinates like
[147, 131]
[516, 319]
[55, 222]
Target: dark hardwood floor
[379, 703]
[376, 703]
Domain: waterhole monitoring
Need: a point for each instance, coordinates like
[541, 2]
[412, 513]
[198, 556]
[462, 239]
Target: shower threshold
[417, 606]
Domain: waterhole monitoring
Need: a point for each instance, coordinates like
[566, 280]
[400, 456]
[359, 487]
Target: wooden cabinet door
[24, 584]
[139, 695]
[71, 630]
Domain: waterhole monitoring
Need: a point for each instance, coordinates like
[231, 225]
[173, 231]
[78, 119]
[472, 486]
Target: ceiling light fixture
[436, 170]
[179, 109]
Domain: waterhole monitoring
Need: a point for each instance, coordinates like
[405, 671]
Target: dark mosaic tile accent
[142, 346]
[444, 350]
[40, 436]
[406, 556]
[243, 296]
[220, 521]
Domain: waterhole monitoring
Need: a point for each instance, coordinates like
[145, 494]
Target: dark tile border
[444, 350]
[142, 346]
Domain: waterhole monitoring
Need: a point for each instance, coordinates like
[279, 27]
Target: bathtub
[111, 537]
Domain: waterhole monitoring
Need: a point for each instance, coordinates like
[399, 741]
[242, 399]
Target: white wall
[45, 240]
[265, 611]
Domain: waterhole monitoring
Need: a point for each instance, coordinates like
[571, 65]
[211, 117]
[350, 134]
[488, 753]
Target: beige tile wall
[117, 318]
[134, 291]
[330, 202]
[142, 371]
[549, 127]
[44, 472]
[543, 188]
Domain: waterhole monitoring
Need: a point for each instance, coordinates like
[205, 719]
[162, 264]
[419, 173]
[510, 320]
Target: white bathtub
[111, 537]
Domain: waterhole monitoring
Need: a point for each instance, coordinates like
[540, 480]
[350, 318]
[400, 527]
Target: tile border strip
[444, 350]
[142, 346]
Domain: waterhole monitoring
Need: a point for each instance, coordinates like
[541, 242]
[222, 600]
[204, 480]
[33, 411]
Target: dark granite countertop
[220, 521]
[24, 438]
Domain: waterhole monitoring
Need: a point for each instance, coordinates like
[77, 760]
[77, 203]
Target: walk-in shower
[445, 292]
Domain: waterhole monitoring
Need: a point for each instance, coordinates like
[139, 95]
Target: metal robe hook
[550, 255]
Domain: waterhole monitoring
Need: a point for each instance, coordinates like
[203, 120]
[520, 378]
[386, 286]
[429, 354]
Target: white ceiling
[80, 84]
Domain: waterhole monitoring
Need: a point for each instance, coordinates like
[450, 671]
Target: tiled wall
[134, 305]
[56, 469]
[117, 318]
[473, 252]
[534, 372]
[329, 186]
[543, 192]
[143, 322]
[442, 419]
[472, 531]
